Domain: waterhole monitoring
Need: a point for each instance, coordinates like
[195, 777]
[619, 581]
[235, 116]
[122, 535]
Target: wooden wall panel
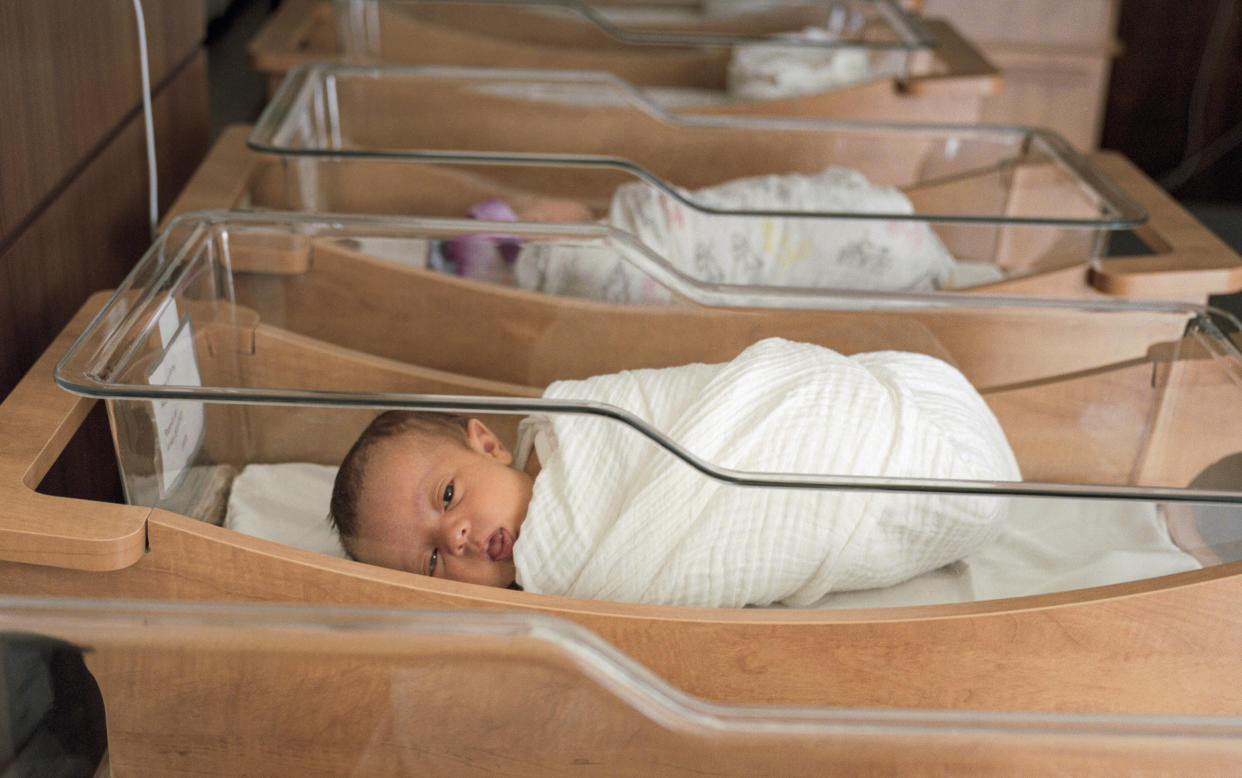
[70, 77]
[1152, 98]
[92, 233]
[1055, 55]
[1081, 24]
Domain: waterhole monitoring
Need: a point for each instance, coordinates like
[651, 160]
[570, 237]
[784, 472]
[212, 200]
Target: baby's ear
[484, 441]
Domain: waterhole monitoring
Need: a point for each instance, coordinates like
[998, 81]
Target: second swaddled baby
[717, 235]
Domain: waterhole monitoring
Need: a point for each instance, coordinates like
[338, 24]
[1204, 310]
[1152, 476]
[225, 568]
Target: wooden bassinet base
[433, 694]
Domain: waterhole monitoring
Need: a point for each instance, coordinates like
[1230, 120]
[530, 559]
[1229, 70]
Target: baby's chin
[498, 574]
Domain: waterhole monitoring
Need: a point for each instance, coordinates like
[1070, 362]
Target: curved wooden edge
[1190, 261]
[1160, 645]
[441, 592]
[224, 176]
[884, 101]
[267, 336]
[1069, 281]
[965, 69]
[37, 420]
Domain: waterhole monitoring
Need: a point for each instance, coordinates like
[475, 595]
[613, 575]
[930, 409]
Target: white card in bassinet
[178, 424]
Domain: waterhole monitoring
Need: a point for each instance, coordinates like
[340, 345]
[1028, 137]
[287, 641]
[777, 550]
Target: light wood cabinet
[1055, 56]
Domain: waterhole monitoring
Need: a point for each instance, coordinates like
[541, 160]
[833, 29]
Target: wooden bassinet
[1165, 645]
[948, 81]
[1186, 260]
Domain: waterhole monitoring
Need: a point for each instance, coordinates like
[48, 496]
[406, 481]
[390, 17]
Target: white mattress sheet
[1048, 544]
[286, 503]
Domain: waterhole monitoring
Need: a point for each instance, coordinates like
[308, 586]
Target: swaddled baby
[720, 247]
[590, 508]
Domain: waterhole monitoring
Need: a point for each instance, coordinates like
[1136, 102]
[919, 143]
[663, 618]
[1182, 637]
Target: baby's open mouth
[499, 546]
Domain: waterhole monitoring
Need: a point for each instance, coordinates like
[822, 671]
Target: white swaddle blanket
[807, 252]
[613, 518]
[766, 71]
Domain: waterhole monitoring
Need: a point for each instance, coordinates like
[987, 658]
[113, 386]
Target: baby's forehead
[397, 466]
[414, 448]
[404, 444]
[391, 467]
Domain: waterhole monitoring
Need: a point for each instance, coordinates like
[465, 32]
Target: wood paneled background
[73, 171]
[1161, 78]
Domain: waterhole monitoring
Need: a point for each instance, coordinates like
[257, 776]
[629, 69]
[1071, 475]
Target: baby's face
[444, 509]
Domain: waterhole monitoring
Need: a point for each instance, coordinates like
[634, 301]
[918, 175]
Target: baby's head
[431, 493]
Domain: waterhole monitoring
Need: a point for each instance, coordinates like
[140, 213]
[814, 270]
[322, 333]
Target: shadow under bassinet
[917, 70]
[1128, 396]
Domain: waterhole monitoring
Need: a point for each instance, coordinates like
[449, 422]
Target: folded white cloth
[287, 503]
[799, 251]
[760, 71]
[1048, 544]
[612, 517]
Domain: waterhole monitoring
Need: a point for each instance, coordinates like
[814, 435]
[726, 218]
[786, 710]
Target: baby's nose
[457, 535]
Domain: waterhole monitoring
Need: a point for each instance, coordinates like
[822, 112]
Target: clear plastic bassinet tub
[410, 692]
[243, 345]
[876, 38]
[867, 58]
[817, 203]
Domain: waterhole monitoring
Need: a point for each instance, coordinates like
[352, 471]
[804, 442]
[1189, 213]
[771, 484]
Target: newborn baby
[725, 247]
[590, 508]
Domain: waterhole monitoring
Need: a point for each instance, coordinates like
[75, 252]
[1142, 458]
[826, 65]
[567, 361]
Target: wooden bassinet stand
[194, 689]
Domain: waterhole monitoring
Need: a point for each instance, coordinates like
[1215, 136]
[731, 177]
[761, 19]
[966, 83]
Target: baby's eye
[431, 563]
[447, 497]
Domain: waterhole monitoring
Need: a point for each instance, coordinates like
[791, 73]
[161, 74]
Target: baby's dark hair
[343, 511]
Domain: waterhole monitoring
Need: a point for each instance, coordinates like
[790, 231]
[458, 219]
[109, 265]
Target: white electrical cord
[152, 178]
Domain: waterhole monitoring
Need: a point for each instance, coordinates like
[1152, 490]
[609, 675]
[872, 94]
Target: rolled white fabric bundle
[764, 71]
[807, 252]
[615, 518]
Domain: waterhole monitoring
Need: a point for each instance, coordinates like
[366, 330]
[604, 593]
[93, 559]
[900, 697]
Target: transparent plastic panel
[853, 23]
[720, 47]
[244, 340]
[366, 691]
[909, 206]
